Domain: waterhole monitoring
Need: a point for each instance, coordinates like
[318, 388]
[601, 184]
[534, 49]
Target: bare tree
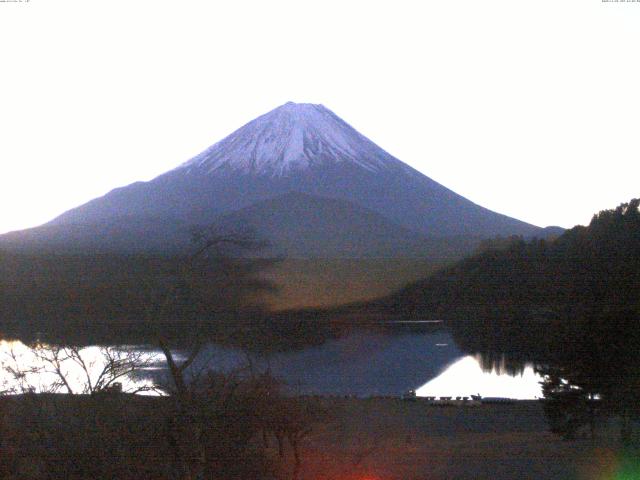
[197, 288]
[74, 370]
[211, 246]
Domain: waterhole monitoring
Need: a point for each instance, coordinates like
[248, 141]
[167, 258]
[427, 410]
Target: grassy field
[388, 439]
[124, 437]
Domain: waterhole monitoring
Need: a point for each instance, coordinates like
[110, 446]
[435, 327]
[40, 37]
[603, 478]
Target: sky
[529, 108]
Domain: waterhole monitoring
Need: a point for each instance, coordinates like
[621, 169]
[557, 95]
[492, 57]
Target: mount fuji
[303, 178]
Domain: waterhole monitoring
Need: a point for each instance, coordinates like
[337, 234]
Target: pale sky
[530, 108]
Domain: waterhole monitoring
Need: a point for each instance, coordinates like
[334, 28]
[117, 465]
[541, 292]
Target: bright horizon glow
[526, 108]
[465, 377]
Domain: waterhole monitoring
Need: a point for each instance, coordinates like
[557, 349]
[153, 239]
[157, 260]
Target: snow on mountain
[364, 198]
[292, 137]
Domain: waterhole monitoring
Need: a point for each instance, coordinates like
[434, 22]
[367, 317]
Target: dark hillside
[597, 266]
[571, 305]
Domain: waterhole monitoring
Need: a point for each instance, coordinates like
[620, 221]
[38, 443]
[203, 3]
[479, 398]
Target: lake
[361, 363]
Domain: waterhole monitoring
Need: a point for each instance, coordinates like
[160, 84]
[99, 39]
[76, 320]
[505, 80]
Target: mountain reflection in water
[359, 364]
[466, 377]
[366, 364]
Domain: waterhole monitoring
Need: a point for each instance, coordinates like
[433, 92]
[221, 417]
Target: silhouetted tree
[571, 305]
[210, 288]
[49, 368]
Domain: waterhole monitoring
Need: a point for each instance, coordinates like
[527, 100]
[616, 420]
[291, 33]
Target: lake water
[360, 364]
[465, 376]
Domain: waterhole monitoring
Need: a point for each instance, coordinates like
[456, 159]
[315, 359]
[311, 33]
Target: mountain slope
[295, 225]
[123, 234]
[306, 226]
[300, 148]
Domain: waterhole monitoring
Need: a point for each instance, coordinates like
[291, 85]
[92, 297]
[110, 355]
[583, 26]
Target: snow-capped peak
[292, 137]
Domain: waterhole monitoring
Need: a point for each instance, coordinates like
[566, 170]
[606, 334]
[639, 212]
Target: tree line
[571, 305]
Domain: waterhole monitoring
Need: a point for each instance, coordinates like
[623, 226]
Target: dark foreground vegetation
[227, 428]
[133, 437]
